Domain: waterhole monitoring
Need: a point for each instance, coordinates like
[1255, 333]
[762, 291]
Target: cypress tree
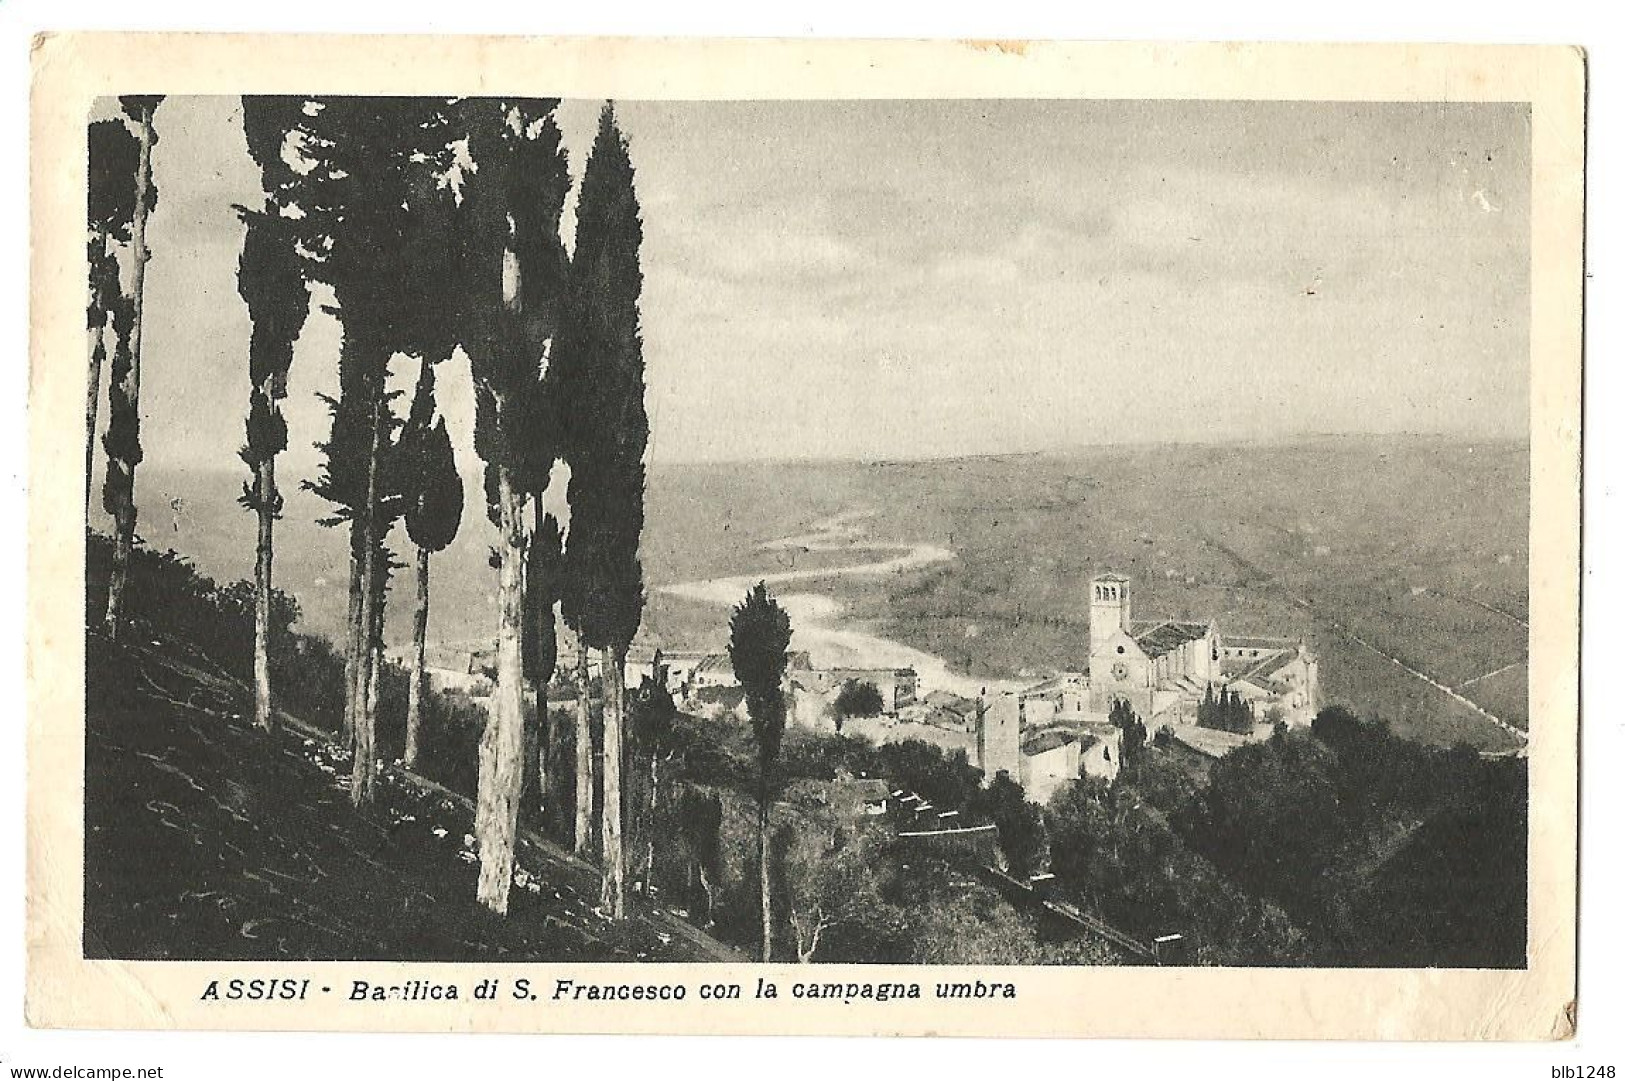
[656, 720]
[434, 512]
[513, 277]
[114, 158]
[374, 192]
[599, 365]
[123, 439]
[759, 647]
[271, 280]
[543, 585]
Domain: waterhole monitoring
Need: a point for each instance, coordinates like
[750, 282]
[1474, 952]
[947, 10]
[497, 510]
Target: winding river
[818, 619]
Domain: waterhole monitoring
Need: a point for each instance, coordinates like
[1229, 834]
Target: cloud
[894, 278]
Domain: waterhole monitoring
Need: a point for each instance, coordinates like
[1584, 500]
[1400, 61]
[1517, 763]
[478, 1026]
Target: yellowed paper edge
[64, 990]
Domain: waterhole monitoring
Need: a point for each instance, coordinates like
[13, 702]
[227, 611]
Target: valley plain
[1397, 557]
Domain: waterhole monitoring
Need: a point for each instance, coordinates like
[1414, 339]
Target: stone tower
[998, 736]
[1109, 609]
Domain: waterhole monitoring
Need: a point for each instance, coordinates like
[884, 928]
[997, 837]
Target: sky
[898, 279]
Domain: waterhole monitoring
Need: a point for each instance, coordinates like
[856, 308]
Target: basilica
[1047, 734]
[1164, 667]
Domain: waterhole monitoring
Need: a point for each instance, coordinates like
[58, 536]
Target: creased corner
[1563, 1028]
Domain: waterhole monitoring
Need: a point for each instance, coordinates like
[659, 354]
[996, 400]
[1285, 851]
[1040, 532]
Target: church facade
[1053, 730]
[1163, 667]
[1152, 665]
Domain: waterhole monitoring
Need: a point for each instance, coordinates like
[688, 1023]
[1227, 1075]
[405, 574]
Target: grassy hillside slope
[206, 839]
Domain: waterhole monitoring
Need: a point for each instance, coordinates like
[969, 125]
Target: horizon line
[1283, 440]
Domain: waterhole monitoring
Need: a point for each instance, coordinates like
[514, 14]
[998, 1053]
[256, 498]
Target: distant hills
[1418, 544]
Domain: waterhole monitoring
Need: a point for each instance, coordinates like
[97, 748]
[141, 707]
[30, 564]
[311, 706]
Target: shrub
[859, 698]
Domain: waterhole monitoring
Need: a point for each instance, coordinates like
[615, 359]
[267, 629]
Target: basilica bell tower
[1109, 608]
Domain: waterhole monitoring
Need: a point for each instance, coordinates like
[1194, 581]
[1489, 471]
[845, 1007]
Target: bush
[859, 698]
[1124, 718]
[1226, 712]
[1020, 823]
[947, 780]
[166, 597]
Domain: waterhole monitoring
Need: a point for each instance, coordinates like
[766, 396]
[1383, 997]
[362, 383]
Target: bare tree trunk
[807, 930]
[654, 804]
[767, 893]
[414, 688]
[807, 937]
[363, 768]
[352, 652]
[710, 900]
[545, 630]
[584, 756]
[502, 744]
[265, 499]
[542, 726]
[365, 741]
[124, 539]
[93, 397]
[613, 663]
[543, 742]
[123, 542]
[375, 664]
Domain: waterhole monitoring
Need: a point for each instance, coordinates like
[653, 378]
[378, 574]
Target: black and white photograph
[948, 532]
[880, 539]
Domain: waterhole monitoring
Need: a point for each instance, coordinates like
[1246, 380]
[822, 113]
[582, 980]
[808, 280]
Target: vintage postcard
[980, 538]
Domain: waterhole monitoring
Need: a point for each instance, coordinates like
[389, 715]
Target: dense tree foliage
[380, 233]
[114, 160]
[946, 780]
[759, 647]
[271, 278]
[1020, 823]
[1333, 824]
[598, 366]
[434, 512]
[858, 698]
[1226, 711]
[514, 266]
[123, 439]
[1123, 717]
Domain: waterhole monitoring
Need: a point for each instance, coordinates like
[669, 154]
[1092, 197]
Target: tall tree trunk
[583, 836]
[502, 744]
[710, 901]
[123, 542]
[352, 651]
[654, 803]
[124, 539]
[265, 499]
[761, 850]
[93, 393]
[613, 663]
[365, 741]
[375, 665]
[544, 732]
[541, 627]
[540, 759]
[414, 688]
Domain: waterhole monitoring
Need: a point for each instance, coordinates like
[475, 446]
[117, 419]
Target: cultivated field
[1417, 546]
